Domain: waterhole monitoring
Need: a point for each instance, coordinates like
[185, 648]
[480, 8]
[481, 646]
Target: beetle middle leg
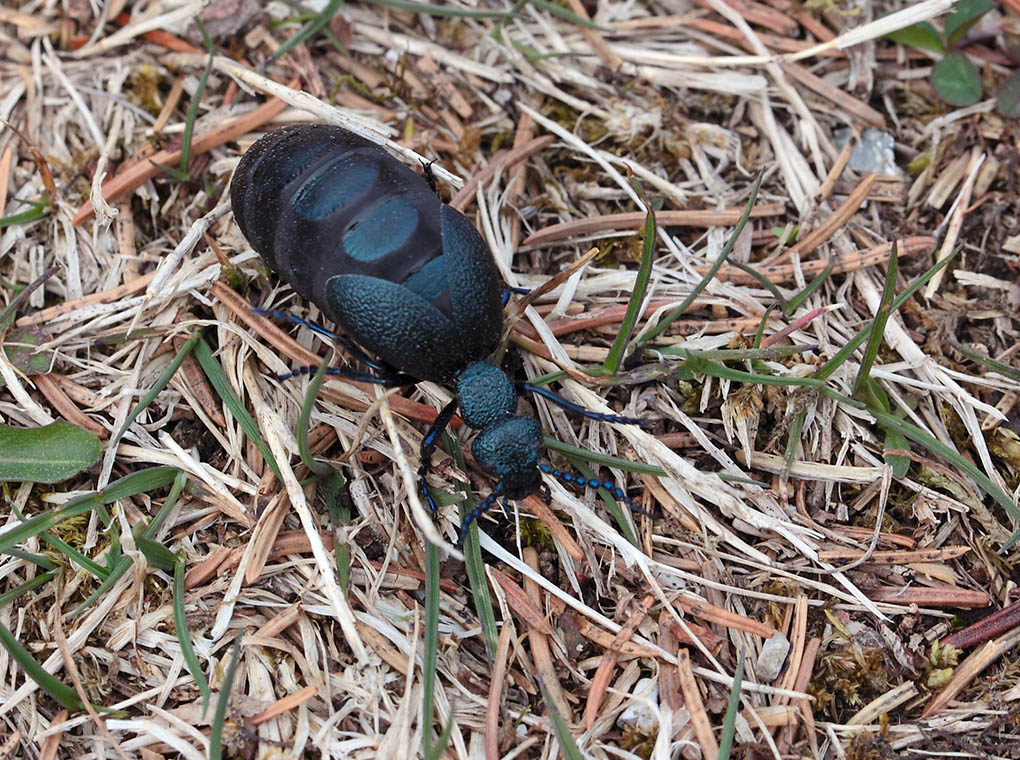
[428, 448]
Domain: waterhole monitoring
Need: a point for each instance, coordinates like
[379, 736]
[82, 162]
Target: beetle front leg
[428, 448]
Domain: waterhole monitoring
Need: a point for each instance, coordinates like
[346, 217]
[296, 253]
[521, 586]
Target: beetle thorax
[485, 395]
[509, 445]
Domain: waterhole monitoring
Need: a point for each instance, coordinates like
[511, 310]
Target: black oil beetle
[408, 278]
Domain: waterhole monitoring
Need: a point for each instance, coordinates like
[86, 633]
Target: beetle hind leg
[572, 479]
[386, 377]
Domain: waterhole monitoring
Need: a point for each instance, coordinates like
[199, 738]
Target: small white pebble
[773, 655]
[640, 715]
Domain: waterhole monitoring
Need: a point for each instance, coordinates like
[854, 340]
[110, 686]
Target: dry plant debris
[838, 521]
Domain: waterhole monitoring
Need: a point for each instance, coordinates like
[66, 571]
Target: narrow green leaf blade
[878, 324]
[232, 403]
[220, 716]
[60, 691]
[184, 635]
[637, 297]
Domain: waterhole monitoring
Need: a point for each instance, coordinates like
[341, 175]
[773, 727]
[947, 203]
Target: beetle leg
[477, 512]
[576, 409]
[386, 376]
[430, 176]
[387, 381]
[428, 448]
[507, 290]
[572, 479]
[346, 343]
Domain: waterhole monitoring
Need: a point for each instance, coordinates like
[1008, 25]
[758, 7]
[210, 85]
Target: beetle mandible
[407, 278]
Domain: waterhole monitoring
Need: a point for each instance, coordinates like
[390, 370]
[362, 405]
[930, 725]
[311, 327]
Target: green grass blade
[37, 581]
[439, 748]
[796, 427]
[44, 521]
[715, 369]
[157, 554]
[877, 399]
[729, 726]
[759, 335]
[311, 27]
[340, 514]
[38, 211]
[184, 635]
[161, 382]
[987, 362]
[878, 324]
[935, 446]
[123, 564]
[142, 481]
[233, 404]
[168, 504]
[189, 123]
[794, 303]
[765, 282]
[304, 448]
[220, 716]
[568, 747]
[473, 564]
[76, 557]
[716, 265]
[431, 646]
[637, 298]
[57, 689]
[603, 460]
[826, 370]
[563, 13]
[36, 559]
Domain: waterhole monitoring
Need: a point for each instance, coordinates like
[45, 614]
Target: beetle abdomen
[321, 205]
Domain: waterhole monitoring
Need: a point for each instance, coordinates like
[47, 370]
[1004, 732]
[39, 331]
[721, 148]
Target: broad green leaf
[48, 454]
[1009, 96]
[922, 36]
[964, 16]
[20, 345]
[956, 80]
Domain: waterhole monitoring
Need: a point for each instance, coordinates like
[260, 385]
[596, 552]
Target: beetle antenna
[571, 479]
[576, 409]
[477, 512]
